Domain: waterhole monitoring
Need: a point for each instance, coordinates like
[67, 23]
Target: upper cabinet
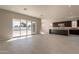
[62, 24]
[78, 23]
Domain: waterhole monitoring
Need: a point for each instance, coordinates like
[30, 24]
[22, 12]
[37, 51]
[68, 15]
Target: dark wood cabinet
[78, 23]
[61, 32]
[74, 31]
[65, 31]
[66, 24]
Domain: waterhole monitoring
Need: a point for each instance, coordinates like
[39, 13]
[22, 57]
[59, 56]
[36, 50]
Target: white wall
[46, 25]
[6, 23]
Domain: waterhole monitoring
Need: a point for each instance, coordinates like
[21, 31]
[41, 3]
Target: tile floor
[41, 44]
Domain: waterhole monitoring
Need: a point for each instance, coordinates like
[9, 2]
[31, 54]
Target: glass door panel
[16, 27]
[34, 27]
[28, 27]
[23, 27]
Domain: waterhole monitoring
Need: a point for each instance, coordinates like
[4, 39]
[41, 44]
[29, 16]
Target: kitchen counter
[64, 31]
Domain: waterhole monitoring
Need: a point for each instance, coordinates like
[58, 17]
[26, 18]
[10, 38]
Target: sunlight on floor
[18, 38]
[42, 33]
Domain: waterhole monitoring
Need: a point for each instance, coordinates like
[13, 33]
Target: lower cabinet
[61, 32]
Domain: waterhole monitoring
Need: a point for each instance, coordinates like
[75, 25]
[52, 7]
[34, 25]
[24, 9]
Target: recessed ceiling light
[69, 5]
[41, 15]
[25, 8]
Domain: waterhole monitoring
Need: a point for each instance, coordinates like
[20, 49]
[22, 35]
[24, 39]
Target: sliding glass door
[29, 23]
[34, 27]
[16, 28]
[23, 27]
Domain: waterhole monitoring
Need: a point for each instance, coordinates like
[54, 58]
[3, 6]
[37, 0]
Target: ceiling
[45, 11]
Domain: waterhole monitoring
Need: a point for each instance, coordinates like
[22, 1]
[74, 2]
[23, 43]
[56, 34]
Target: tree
[23, 24]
